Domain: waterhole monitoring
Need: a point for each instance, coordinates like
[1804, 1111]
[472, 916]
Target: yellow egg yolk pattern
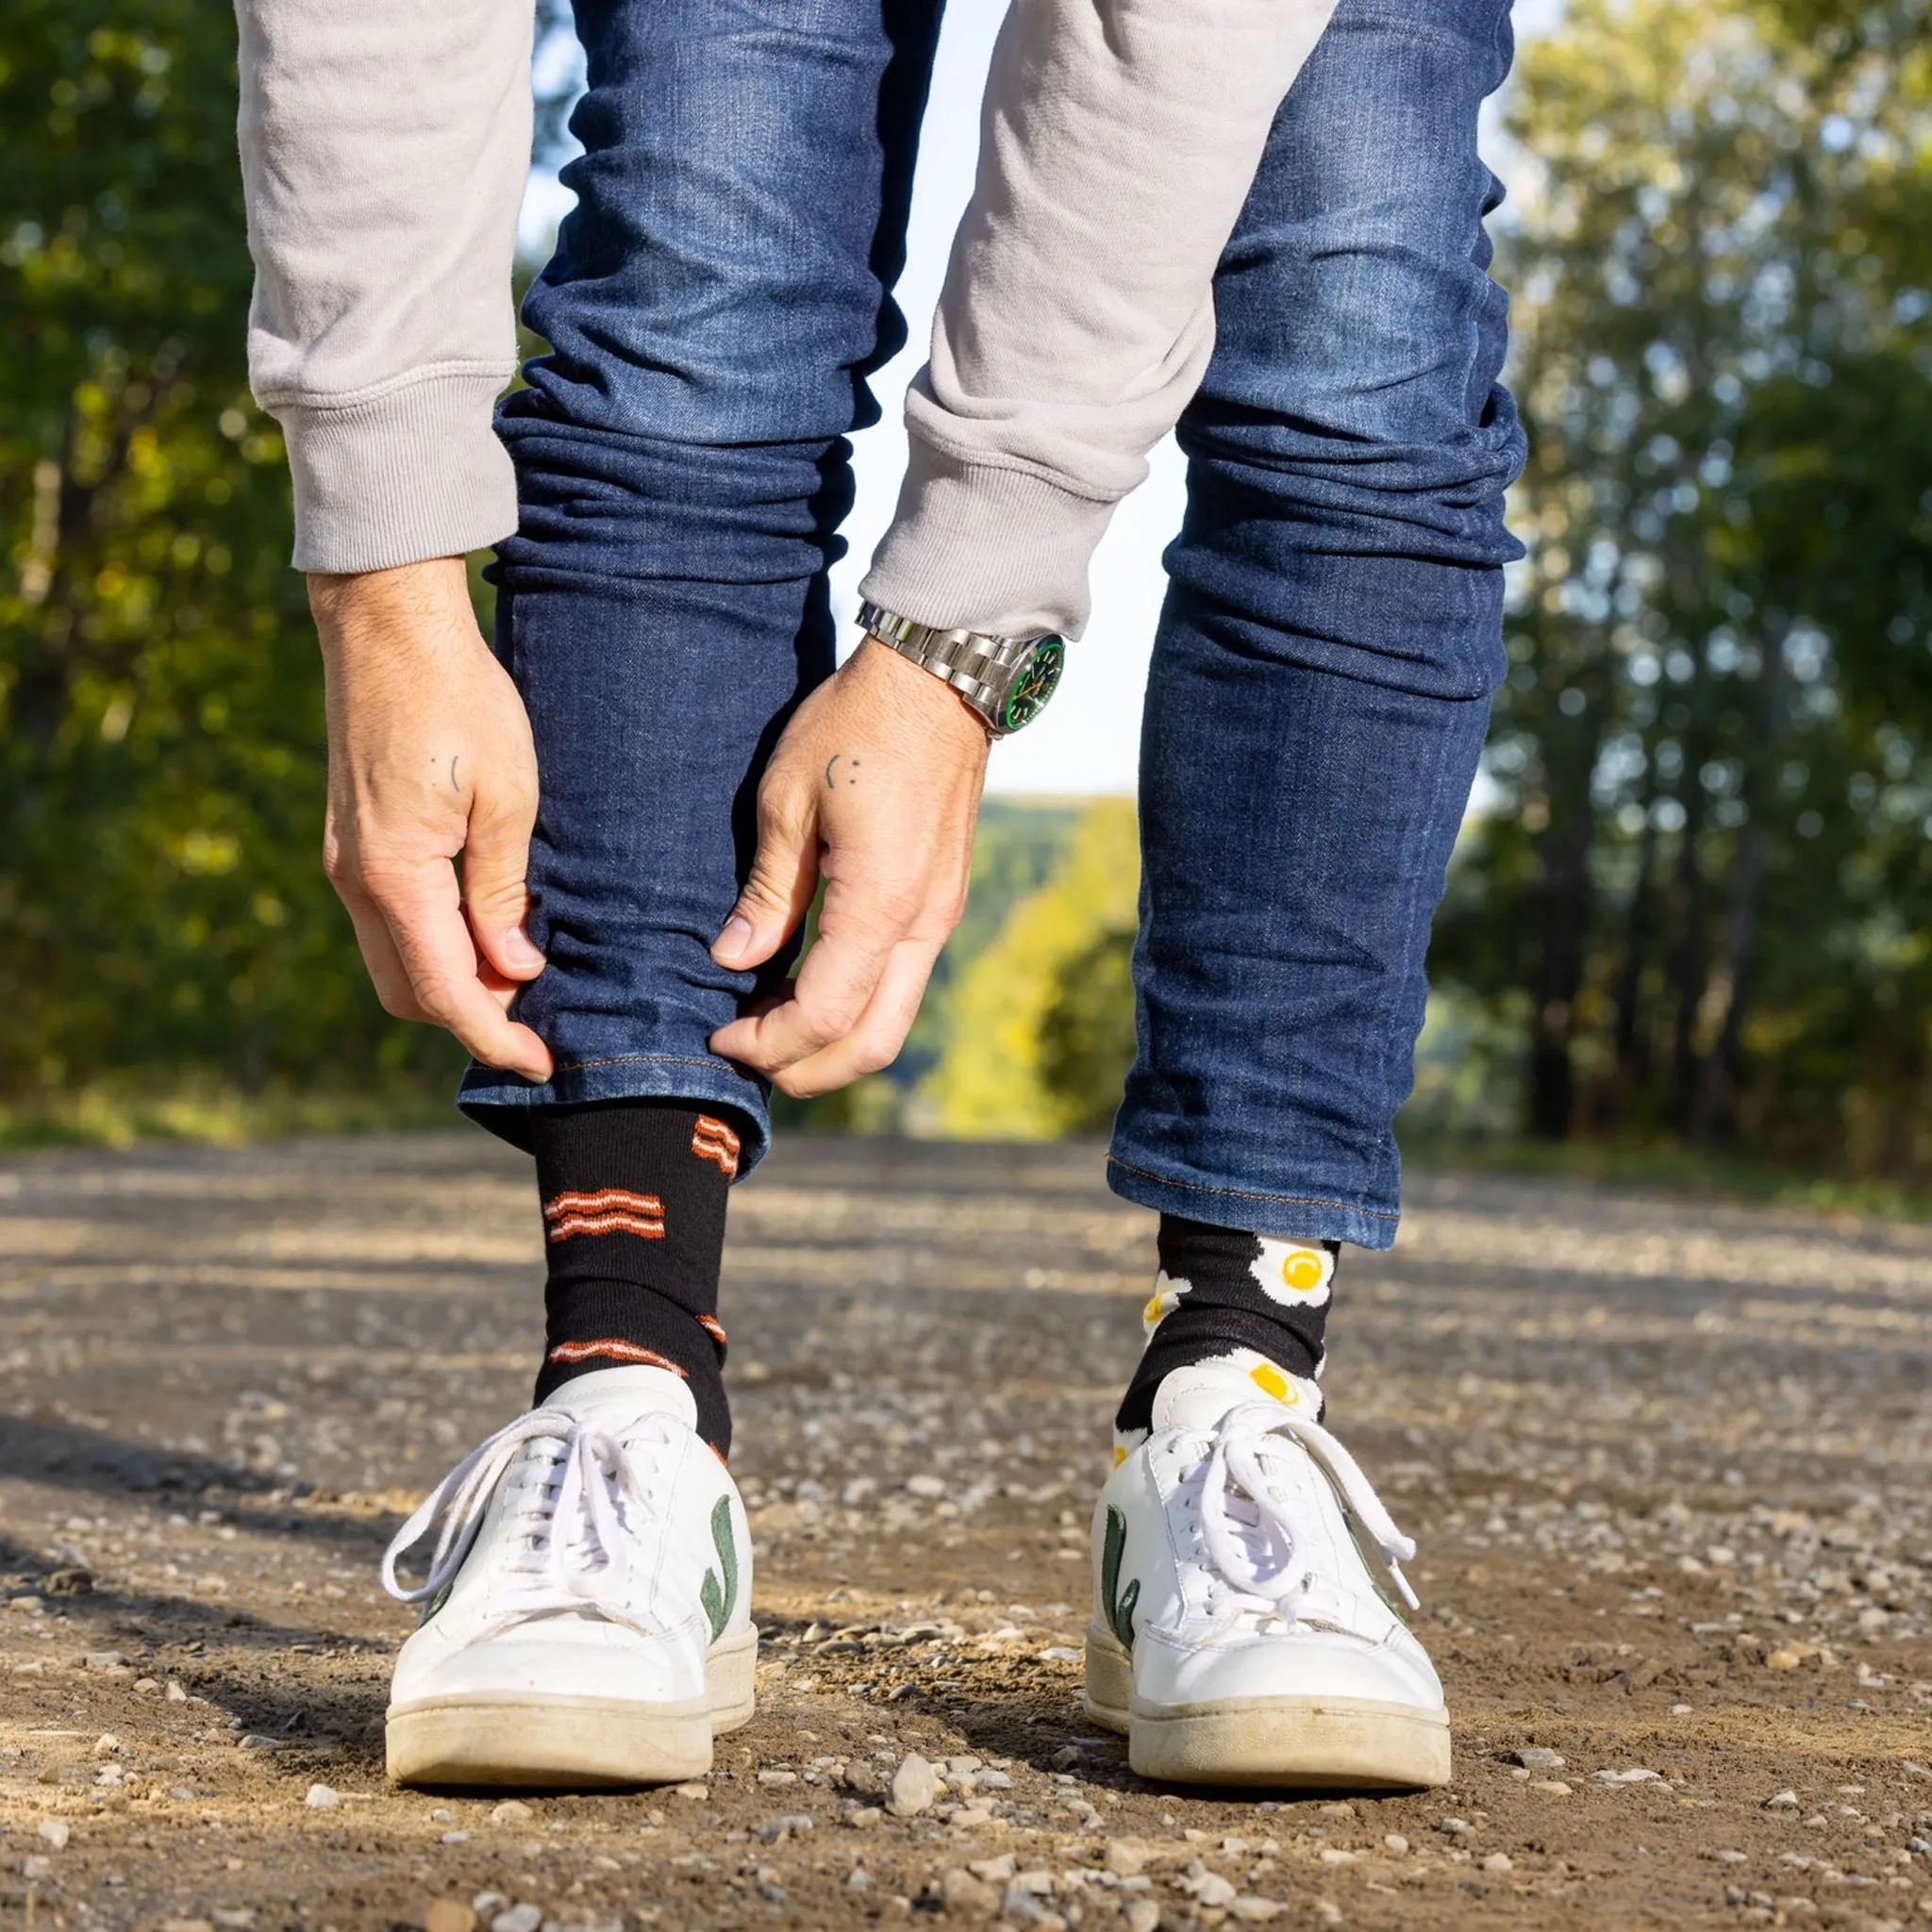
[1220, 1293]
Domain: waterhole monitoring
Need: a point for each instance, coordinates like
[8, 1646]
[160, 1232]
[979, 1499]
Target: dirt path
[1668, 1464]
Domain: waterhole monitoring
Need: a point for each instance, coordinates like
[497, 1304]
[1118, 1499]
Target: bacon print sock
[633, 1194]
[1257, 1302]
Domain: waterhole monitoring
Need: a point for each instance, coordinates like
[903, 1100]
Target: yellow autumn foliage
[987, 1085]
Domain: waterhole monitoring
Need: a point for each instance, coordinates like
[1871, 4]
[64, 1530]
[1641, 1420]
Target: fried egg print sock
[1255, 1301]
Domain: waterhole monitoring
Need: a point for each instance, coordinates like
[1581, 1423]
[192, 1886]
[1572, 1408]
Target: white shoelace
[572, 1522]
[1259, 1530]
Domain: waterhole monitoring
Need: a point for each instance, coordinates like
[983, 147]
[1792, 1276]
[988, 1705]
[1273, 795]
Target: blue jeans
[1321, 670]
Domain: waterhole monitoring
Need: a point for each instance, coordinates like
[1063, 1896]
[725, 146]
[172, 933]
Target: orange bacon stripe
[713, 1327]
[572, 1202]
[712, 1140]
[617, 1351]
[607, 1223]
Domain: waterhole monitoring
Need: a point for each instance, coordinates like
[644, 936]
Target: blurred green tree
[161, 908]
[1705, 887]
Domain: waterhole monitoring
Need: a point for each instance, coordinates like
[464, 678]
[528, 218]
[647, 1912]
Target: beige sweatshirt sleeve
[384, 150]
[1118, 142]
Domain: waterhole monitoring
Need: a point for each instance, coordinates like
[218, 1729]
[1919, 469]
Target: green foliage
[1705, 894]
[161, 907]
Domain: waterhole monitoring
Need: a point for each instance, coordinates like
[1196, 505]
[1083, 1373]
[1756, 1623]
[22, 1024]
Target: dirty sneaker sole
[560, 1742]
[1291, 1743]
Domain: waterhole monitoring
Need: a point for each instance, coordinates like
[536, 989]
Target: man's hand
[429, 756]
[875, 787]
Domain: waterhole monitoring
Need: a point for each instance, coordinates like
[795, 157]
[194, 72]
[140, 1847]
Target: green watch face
[1037, 684]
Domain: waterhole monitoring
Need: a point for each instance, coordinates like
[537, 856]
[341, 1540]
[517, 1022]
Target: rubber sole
[538, 1742]
[1288, 1744]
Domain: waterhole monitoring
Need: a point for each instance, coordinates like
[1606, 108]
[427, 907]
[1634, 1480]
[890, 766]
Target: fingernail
[735, 937]
[519, 949]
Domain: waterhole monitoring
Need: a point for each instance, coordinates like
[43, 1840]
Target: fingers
[875, 1043]
[379, 955]
[429, 938]
[859, 932]
[784, 874]
[496, 855]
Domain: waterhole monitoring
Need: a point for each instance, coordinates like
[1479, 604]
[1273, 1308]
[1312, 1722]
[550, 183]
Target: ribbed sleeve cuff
[985, 549]
[411, 471]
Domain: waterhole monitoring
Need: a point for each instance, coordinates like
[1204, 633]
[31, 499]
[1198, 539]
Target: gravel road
[1666, 1462]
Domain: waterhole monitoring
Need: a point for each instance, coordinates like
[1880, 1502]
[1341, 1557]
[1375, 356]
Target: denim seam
[1251, 1193]
[639, 1060]
[1417, 913]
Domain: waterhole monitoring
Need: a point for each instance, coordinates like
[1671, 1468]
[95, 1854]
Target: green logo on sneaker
[719, 1601]
[1120, 1607]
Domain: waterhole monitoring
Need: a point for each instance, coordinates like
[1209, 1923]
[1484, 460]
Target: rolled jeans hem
[1304, 1217]
[503, 1101]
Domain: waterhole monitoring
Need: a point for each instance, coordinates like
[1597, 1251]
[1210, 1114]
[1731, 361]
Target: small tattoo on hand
[831, 783]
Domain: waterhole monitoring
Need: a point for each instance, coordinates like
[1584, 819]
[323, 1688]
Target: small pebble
[523, 1917]
[449, 1915]
[1539, 1757]
[915, 1785]
[1499, 1862]
[321, 1798]
[963, 1894]
[1395, 1843]
[693, 1791]
[57, 1831]
[511, 1811]
[1143, 1915]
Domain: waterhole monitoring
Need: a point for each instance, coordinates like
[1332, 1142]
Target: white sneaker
[587, 1610]
[1245, 1629]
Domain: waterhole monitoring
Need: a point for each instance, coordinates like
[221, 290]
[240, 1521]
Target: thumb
[496, 855]
[784, 875]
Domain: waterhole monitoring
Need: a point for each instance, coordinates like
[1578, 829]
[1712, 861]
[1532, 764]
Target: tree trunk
[1688, 964]
[1717, 1101]
[1639, 924]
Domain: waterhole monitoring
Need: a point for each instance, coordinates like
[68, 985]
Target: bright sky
[1087, 741]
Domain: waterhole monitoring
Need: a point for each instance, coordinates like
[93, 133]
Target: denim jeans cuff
[1288, 1216]
[503, 1101]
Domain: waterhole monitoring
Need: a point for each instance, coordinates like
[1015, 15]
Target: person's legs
[1317, 706]
[717, 299]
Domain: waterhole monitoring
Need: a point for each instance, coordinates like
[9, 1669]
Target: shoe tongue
[1200, 1394]
[612, 1396]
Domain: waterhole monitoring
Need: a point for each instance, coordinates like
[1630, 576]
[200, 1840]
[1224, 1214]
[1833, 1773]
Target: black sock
[1220, 1290]
[632, 1196]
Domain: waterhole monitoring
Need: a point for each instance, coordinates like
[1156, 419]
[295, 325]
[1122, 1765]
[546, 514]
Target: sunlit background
[1690, 926]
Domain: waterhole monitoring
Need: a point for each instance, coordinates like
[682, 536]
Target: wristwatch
[1007, 681]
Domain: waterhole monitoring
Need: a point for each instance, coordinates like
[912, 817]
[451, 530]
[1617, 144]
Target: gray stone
[915, 1785]
[967, 1896]
[1538, 1757]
